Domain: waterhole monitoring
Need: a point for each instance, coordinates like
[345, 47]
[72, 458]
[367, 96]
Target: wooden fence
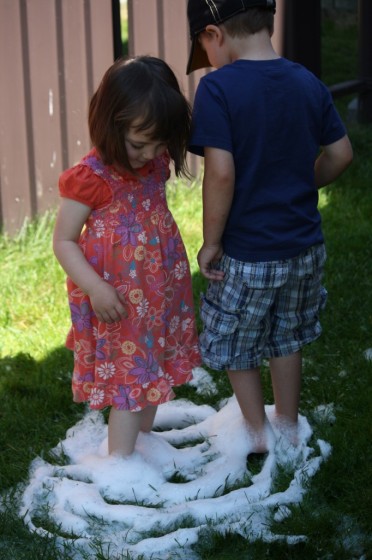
[53, 54]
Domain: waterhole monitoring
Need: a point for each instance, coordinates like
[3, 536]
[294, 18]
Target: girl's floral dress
[133, 242]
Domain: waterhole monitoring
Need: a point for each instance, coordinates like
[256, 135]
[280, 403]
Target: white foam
[179, 481]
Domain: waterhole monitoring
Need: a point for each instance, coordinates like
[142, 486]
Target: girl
[133, 329]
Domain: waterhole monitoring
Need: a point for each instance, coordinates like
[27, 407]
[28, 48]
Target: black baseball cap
[201, 13]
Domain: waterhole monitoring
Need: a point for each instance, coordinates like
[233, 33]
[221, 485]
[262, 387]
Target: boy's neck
[252, 47]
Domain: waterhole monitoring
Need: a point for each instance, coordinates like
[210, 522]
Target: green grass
[32, 292]
[37, 409]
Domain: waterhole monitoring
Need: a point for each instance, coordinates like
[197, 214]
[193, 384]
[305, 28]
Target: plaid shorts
[262, 310]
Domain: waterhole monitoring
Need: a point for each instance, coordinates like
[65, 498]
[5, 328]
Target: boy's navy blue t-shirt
[272, 116]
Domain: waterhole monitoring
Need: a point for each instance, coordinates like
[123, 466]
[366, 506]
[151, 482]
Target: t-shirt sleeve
[333, 127]
[80, 183]
[210, 120]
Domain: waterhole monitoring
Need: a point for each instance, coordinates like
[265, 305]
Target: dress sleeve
[80, 183]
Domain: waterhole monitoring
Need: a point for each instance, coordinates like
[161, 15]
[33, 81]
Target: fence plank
[15, 194]
[143, 26]
[101, 50]
[45, 102]
[73, 71]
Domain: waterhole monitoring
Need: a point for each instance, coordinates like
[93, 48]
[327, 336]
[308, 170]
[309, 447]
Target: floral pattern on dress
[134, 244]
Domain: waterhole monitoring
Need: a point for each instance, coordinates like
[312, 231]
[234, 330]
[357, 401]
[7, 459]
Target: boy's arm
[332, 161]
[107, 303]
[218, 191]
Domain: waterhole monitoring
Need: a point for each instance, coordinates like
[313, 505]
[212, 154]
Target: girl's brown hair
[142, 89]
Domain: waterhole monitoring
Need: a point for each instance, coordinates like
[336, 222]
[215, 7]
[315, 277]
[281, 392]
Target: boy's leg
[286, 381]
[247, 387]
[298, 304]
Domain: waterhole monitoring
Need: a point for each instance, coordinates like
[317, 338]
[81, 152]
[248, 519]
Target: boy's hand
[208, 257]
[107, 303]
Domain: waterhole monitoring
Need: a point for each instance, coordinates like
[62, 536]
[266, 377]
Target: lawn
[35, 367]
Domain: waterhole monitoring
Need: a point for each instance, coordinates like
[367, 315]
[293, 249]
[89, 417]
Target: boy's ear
[214, 32]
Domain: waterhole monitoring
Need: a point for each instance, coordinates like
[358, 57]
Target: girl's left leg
[147, 418]
[124, 427]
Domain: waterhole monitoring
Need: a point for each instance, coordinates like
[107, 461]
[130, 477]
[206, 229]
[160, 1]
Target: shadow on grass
[36, 410]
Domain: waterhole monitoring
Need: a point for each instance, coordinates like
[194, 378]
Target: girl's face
[141, 147]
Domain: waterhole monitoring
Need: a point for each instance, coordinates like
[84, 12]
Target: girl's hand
[208, 257]
[107, 303]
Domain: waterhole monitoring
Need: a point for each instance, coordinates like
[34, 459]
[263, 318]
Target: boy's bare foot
[262, 440]
[287, 428]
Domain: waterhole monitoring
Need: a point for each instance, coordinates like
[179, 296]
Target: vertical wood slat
[44, 97]
[15, 192]
[143, 26]
[53, 54]
[102, 47]
[74, 91]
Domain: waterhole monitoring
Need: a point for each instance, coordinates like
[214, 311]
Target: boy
[270, 137]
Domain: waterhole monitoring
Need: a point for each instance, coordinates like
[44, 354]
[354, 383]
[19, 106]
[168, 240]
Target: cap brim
[198, 57]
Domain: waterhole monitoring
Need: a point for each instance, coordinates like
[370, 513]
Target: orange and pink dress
[132, 241]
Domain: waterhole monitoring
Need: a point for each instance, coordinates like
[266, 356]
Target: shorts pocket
[217, 319]
[218, 340]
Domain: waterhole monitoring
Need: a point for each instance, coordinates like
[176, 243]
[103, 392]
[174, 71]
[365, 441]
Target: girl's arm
[107, 302]
[218, 191]
[332, 161]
